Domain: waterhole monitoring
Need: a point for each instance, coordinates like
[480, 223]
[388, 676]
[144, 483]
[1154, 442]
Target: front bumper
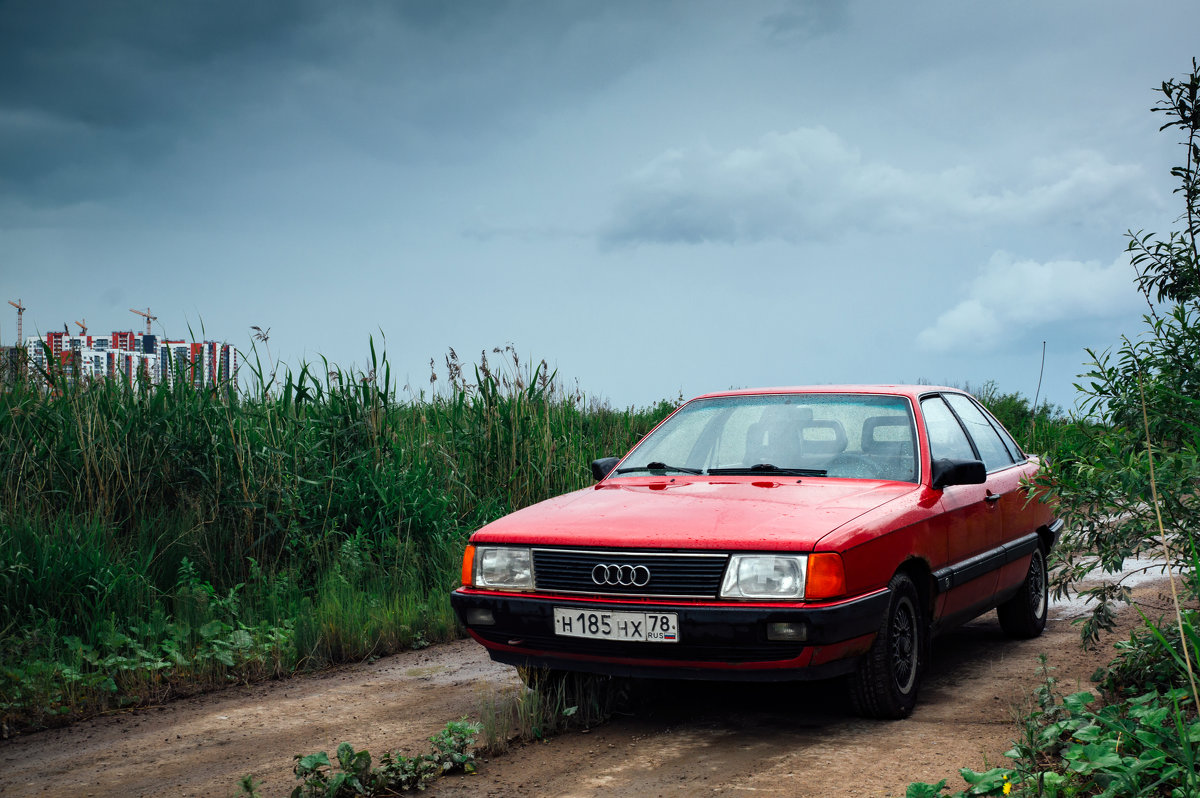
[727, 641]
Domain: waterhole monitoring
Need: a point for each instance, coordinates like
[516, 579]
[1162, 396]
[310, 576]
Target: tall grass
[169, 525]
[158, 539]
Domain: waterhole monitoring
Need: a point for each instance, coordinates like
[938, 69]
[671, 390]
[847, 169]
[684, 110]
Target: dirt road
[693, 739]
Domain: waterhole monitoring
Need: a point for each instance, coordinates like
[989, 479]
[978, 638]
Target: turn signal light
[468, 566]
[826, 576]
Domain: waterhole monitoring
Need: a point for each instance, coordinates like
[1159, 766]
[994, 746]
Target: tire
[1024, 615]
[887, 681]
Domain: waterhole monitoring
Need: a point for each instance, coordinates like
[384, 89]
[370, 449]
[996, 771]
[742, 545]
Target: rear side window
[946, 437]
[1013, 448]
[992, 450]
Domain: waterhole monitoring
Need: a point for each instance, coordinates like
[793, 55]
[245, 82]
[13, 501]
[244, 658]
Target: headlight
[503, 568]
[764, 576]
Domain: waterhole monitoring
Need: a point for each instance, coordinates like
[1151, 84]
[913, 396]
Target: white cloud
[1009, 292]
[809, 183]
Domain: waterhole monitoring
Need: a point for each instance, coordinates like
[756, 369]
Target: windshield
[863, 436]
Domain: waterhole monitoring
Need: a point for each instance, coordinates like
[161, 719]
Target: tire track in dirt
[201, 746]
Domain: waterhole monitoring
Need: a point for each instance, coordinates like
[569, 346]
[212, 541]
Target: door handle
[991, 497]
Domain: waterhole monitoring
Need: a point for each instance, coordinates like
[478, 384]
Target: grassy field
[160, 540]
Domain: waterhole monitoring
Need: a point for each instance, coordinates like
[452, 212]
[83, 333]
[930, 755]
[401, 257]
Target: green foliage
[53, 671]
[352, 775]
[157, 540]
[1144, 743]
[249, 787]
[921, 789]
[1139, 407]
[1152, 655]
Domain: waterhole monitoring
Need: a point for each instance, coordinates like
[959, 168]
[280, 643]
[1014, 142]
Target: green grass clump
[352, 774]
[550, 703]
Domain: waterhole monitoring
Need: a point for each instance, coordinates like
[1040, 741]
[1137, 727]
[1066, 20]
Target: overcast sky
[655, 197]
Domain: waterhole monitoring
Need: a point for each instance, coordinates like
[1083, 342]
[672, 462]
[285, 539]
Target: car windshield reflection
[841, 435]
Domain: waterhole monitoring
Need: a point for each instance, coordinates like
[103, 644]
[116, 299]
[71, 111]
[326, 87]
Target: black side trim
[1055, 529]
[975, 567]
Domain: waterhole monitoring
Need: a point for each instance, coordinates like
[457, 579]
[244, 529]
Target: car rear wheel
[1024, 615]
[889, 677]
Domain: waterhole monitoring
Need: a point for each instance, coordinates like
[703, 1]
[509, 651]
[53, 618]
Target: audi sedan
[784, 533]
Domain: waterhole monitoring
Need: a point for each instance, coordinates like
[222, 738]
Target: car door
[971, 524]
[1006, 471]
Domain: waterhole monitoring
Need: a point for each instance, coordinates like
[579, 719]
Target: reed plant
[205, 533]
[157, 539]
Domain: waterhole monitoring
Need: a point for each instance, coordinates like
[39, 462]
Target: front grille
[670, 573]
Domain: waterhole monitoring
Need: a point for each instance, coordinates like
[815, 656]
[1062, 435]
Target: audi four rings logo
[623, 575]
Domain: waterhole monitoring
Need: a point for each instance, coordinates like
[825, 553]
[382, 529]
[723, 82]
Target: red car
[784, 533]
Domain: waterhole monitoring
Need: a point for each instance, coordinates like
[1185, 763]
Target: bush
[1130, 484]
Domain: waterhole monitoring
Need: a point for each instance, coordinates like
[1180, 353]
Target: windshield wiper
[768, 468]
[657, 466]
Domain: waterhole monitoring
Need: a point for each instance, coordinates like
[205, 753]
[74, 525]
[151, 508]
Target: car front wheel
[889, 677]
[1024, 615]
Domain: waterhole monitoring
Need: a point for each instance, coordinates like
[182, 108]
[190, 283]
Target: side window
[946, 436]
[991, 449]
[1013, 448]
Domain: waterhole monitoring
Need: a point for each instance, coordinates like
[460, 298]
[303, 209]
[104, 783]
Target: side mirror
[601, 467]
[957, 472]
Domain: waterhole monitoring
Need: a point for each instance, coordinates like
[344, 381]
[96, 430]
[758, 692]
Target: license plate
[649, 627]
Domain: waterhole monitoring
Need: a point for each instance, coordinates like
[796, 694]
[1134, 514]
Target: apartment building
[130, 356]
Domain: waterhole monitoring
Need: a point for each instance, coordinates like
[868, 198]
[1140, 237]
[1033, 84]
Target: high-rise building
[130, 357]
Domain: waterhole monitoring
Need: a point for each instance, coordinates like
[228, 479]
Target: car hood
[695, 513]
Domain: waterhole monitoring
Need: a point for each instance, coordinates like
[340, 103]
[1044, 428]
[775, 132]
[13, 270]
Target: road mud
[689, 739]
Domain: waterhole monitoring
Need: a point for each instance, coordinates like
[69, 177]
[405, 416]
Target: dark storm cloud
[86, 87]
[92, 94]
[105, 65]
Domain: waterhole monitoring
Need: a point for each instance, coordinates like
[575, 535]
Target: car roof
[912, 391]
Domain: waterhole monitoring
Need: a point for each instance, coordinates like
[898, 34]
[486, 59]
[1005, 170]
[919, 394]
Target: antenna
[1036, 394]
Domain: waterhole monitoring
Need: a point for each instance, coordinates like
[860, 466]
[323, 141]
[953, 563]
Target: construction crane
[82, 327]
[149, 318]
[20, 312]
